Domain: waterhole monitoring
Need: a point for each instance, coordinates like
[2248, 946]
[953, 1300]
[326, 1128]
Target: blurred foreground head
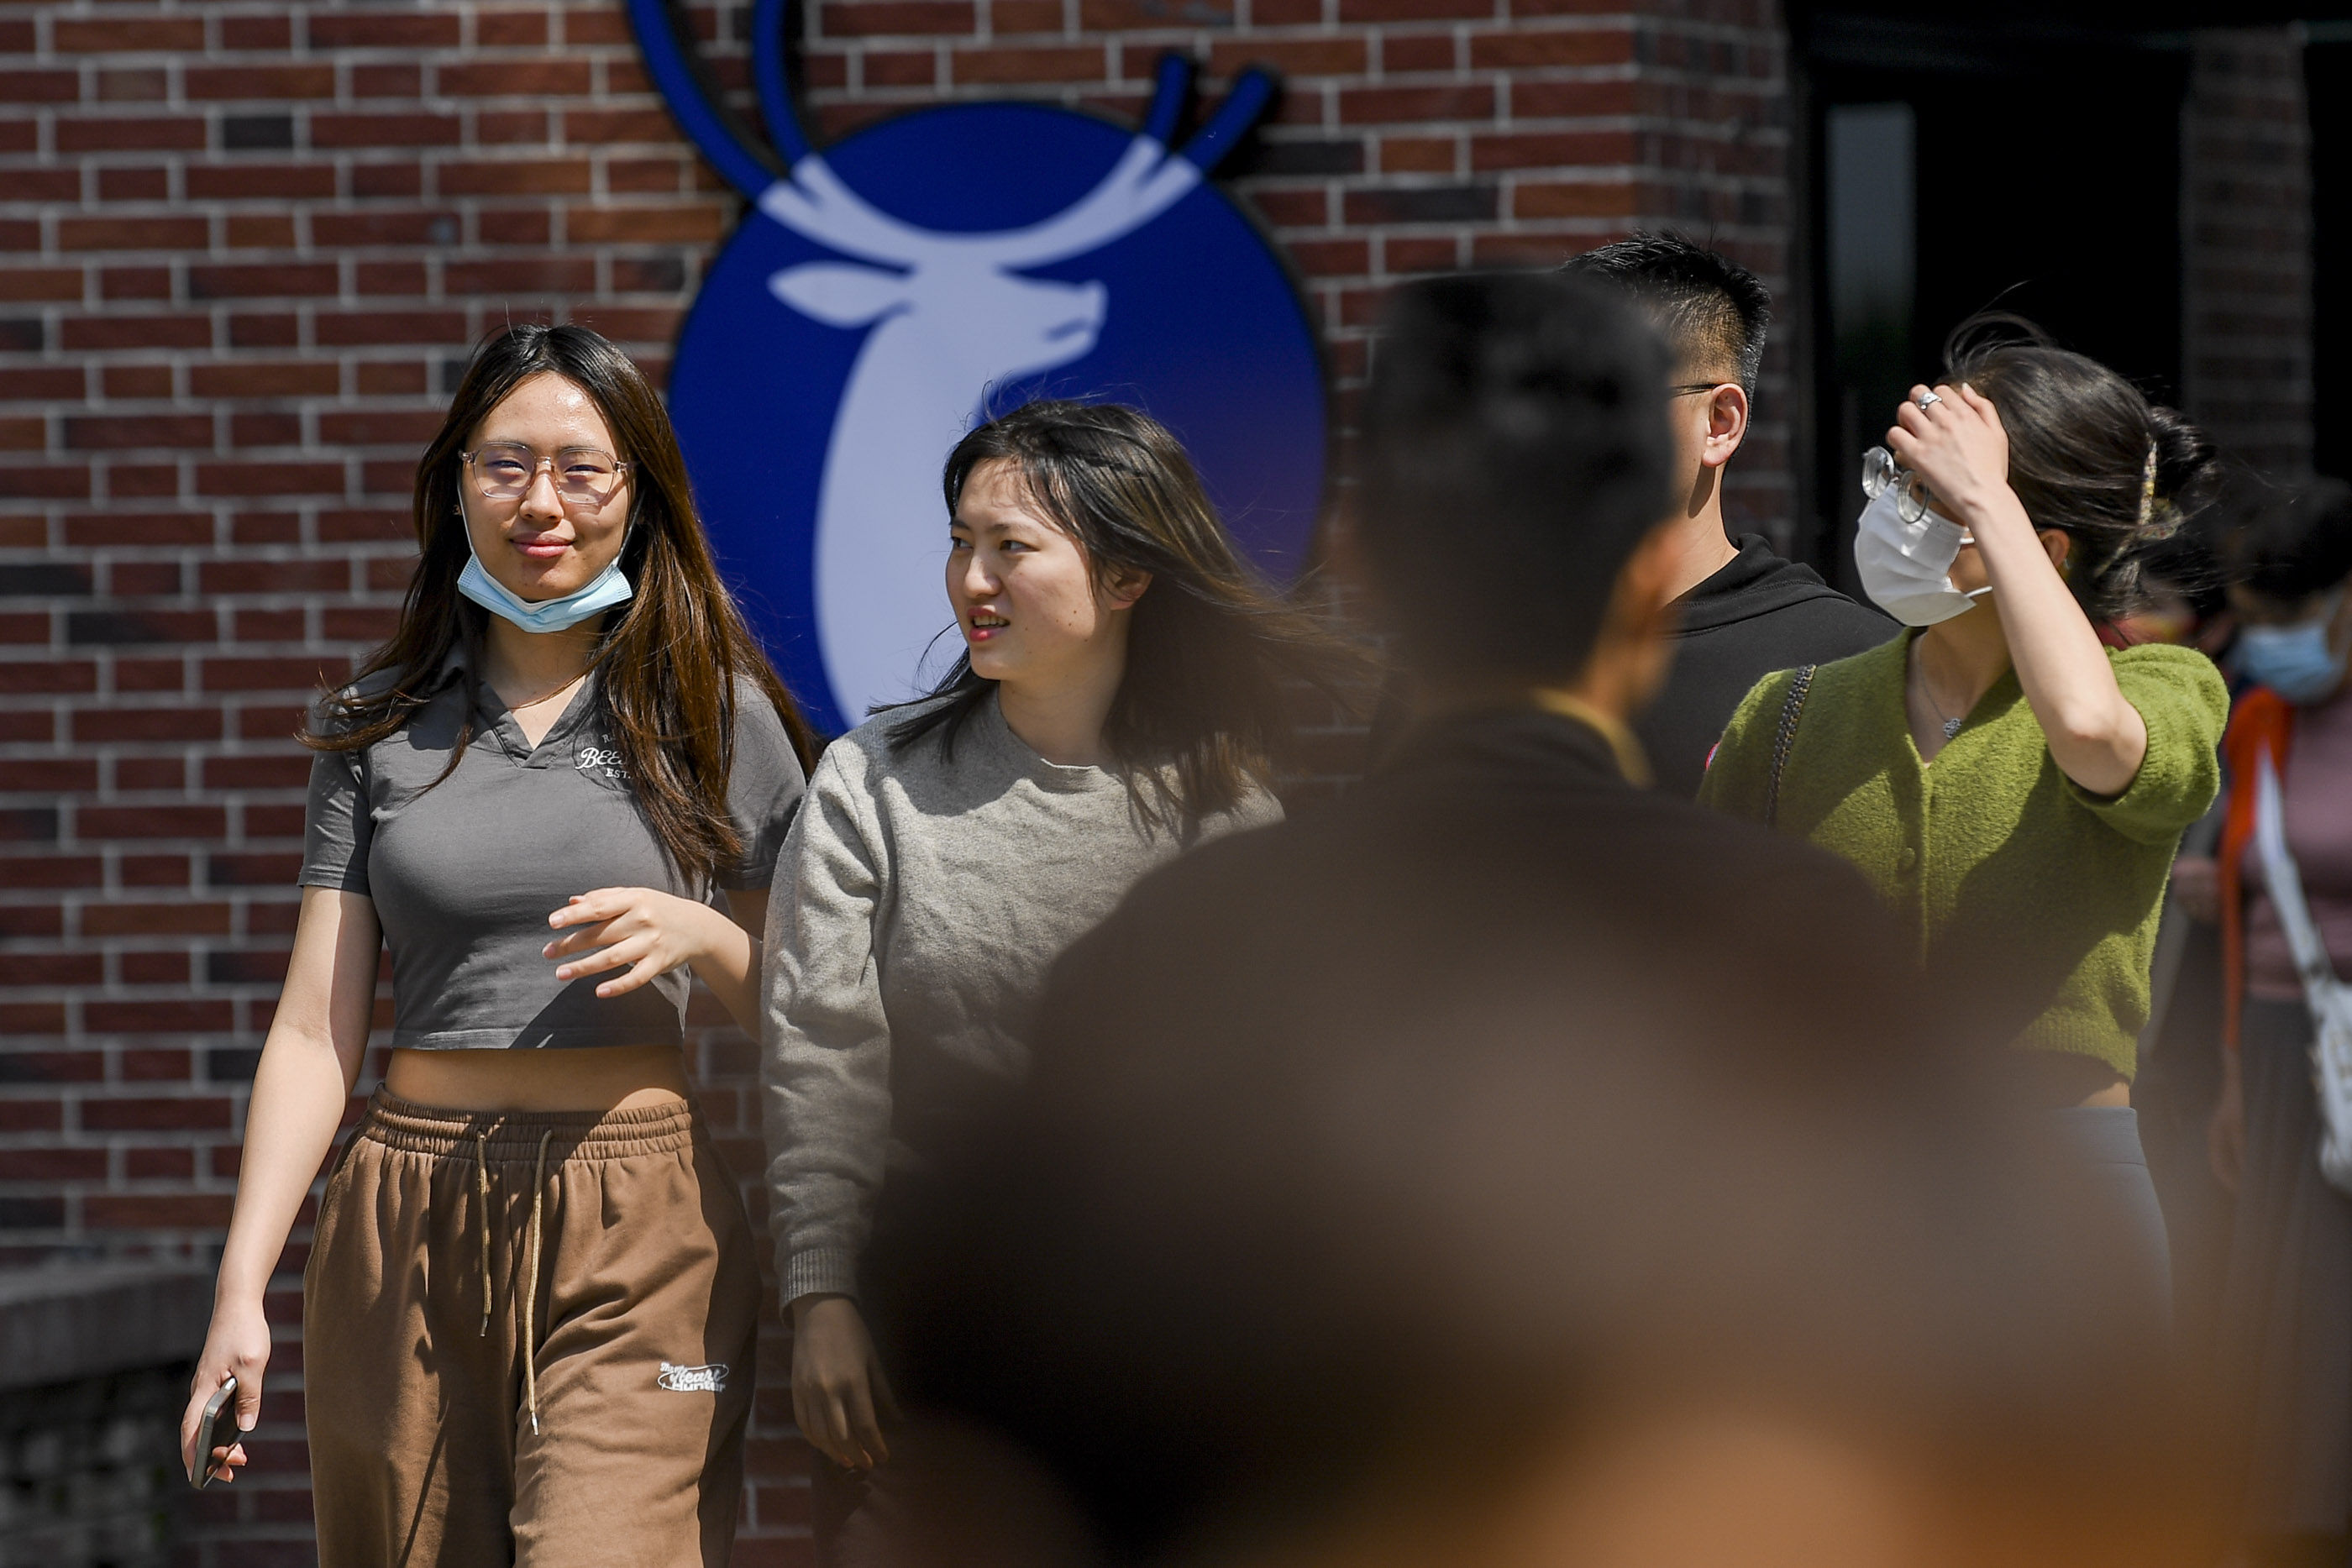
[1516, 451]
[1505, 1165]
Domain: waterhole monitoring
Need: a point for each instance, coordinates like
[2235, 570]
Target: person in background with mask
[1741, 612]
[2014, 789]
[2287, 1300]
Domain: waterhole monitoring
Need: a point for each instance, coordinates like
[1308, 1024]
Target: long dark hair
[1200, 714]
[2088, 454]
[669, 661]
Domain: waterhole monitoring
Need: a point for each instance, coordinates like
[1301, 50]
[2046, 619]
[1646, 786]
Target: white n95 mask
[1906, 567]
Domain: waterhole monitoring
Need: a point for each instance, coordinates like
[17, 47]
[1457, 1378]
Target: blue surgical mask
[2294, 661]
[610, 587]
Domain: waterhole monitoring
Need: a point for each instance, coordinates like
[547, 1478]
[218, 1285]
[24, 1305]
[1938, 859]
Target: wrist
[1994, 510]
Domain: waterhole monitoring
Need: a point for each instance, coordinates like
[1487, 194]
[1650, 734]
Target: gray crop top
[464, 874]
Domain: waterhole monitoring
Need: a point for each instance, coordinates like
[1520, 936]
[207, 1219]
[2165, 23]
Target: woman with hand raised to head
[1119, 699]
[2014, 785]
[531, 1298]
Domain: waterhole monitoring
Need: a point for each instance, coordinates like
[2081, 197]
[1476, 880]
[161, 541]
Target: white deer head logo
[951, 317]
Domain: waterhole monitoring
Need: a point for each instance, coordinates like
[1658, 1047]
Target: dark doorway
[1957, 167]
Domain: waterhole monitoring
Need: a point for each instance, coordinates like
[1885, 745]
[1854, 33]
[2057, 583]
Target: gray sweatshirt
[918, 903]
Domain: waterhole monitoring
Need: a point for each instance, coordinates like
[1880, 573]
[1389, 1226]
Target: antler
[1145, 181]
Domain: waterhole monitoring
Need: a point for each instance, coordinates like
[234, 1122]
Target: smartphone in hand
[216, 1429]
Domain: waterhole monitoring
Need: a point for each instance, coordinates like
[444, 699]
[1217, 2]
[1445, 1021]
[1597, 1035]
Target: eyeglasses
[504, 470]
[1695, 388]
[1879, 473]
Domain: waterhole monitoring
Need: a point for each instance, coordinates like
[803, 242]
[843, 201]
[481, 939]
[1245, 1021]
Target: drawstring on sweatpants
[482, 1184]
[530, 1275]
[531, 1284]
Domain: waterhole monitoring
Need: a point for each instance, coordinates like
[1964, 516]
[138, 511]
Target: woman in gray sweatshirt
[1117, 700]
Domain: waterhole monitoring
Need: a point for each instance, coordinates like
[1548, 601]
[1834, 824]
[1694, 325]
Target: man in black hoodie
[1746, 612]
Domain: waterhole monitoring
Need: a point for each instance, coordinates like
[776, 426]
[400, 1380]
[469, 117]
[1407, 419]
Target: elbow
[2091, 730]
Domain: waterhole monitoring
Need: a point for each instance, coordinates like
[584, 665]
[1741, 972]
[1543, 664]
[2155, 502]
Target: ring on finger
[1925, 399]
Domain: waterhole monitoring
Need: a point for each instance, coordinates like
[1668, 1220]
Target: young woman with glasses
[2014, 785]
[1119, 698]
[531, 1297]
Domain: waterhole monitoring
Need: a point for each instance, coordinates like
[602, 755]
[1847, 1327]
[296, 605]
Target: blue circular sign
[894, 290]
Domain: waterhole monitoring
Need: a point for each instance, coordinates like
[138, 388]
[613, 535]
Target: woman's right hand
[237, 1346]
[2225, 1135]
[839, 1393]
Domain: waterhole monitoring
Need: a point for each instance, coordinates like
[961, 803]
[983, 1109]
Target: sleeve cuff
[819, 1272]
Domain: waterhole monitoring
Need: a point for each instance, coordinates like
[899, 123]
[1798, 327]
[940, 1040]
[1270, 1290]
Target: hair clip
[2147, 487]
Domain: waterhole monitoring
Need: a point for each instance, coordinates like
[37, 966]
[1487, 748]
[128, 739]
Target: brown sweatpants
[527, 1341]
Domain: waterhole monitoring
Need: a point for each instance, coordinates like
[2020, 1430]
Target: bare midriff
[2056, 1079]
[604, 1078]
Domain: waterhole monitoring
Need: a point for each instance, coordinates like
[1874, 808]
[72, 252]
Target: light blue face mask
[2294, 661]
[610, 587]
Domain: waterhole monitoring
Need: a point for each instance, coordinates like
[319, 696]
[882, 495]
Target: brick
[1526, 49]
[52, 1164]
[98, 726]
[39, 87]
[342, 130]
[1156, 15]
[118, 627]
[264, 379]
[155, 920]
[511, 29]
[976, 67]
[514, 78]
[139, 531]
[47, 775]
[272, 32]
[340, 29]
[1574, 199]
[150, 821]
[46, 677]
[882, 18]
[370, 326]
[1394, 105]
[135, 283]
[643, 225]
[311, 576]
[185, 1211]
[258, 83]
[256, 281]
[1293, 57]
[510, 177]
[381, 427]
[133, 233]
[52, 484]
[39, 185]
[152, 33]
[119, 432]
[136, 381]
[142, 133]
[1556, 149]
[126, 1115]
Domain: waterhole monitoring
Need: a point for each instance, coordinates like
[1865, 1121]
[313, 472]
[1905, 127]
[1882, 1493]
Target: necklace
[1952, 726]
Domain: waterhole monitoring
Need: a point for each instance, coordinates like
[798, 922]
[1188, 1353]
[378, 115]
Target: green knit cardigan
[2005, 870]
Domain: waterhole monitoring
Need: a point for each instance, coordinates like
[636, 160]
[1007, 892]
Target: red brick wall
[247, 246]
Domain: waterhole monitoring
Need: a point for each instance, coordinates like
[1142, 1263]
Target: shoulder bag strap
[1784, 737]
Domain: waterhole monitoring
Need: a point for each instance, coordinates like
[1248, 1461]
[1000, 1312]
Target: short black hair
[1514, 451]
[2288, 543]
[1712, 309]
